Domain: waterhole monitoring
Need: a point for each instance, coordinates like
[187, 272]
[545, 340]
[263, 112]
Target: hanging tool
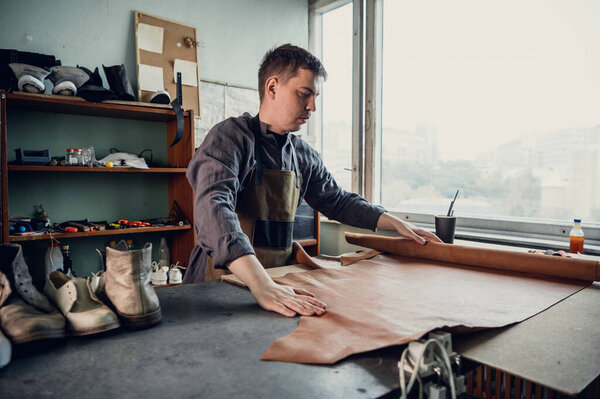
[177, 106]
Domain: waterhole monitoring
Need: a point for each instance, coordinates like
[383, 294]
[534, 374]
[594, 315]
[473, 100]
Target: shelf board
[307, 243]
[89, 169]
[77, 105]
[131, 230]
[158, 287]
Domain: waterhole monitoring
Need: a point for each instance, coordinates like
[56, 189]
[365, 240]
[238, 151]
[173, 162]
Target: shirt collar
[263, 130]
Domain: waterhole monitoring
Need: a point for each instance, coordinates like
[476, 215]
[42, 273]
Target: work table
[213, 335]
[209, 344]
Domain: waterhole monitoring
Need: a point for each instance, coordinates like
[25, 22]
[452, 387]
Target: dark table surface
[208, 345]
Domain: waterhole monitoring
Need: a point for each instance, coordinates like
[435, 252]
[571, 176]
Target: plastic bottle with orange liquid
[576, 238]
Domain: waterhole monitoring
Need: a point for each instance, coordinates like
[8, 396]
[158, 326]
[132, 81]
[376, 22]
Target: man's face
[295, 100]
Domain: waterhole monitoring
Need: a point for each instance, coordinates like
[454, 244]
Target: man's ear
[271, 87]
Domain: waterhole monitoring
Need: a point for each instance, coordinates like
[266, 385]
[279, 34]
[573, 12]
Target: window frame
[366, 132]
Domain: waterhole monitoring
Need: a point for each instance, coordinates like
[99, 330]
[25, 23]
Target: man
[249, 175]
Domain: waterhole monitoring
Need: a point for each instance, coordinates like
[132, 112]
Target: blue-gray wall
[234, 34]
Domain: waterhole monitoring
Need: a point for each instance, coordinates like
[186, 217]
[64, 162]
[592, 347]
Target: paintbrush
[452, 203]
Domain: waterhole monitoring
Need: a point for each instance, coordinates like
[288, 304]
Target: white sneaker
[175, 275]
[159, 274]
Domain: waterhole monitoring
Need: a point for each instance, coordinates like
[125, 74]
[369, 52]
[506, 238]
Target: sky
[481, 73]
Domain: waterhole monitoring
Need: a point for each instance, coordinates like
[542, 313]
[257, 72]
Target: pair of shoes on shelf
[70, 81]
[163, 275]
[66, 79]
[125, 286]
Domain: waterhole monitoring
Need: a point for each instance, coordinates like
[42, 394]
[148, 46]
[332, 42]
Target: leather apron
[266, 210]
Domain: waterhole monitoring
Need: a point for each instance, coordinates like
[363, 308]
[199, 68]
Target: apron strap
[295, 161]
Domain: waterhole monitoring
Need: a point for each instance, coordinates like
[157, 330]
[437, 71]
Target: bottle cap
[577, 220]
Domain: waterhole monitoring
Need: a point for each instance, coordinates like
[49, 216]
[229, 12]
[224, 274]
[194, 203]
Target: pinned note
[151, 78]
[150, 38]
[188, 69]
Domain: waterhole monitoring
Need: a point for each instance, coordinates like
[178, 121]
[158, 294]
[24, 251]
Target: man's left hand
[405, 229]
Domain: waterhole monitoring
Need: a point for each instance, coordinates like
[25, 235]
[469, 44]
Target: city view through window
[500, 100]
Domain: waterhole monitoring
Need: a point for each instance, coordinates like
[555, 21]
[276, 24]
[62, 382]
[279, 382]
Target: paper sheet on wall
[151, 78]
[150, 38]
[188, 69]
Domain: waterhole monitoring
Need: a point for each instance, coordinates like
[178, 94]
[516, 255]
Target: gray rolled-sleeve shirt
[220, 171]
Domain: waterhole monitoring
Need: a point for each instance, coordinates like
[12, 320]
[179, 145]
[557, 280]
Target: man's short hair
[284, 62]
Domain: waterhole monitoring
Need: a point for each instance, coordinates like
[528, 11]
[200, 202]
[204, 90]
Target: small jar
[74, 156]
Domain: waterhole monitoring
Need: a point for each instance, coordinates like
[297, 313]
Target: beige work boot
[126, 286]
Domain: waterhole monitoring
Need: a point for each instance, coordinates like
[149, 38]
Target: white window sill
[506, 239]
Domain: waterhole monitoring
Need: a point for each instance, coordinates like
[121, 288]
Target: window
[336, 103]
[497, 99]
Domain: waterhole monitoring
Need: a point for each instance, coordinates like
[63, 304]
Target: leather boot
[26, 315]
[126, 286]
[93, 90]
[13, 265]
[118, 82]
[23, 323]
[5, 347]
[74, 297]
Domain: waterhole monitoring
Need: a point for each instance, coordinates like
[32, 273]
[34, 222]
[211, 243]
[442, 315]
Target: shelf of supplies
[77, 105]
[131, 230]
[89, 169]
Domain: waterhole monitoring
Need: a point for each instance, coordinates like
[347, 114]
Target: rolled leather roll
[579, 269]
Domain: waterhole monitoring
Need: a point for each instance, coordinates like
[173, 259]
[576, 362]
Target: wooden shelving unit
[89, 169]
[131, 230]
[79, 106]
[178, 158]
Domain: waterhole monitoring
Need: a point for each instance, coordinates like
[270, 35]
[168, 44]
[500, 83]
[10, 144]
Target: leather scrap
[316, 262]
[329, 262]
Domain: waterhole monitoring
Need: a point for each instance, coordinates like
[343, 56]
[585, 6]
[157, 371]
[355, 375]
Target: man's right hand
[283, 299]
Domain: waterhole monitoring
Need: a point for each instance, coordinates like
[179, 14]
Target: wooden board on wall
[174, 47]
